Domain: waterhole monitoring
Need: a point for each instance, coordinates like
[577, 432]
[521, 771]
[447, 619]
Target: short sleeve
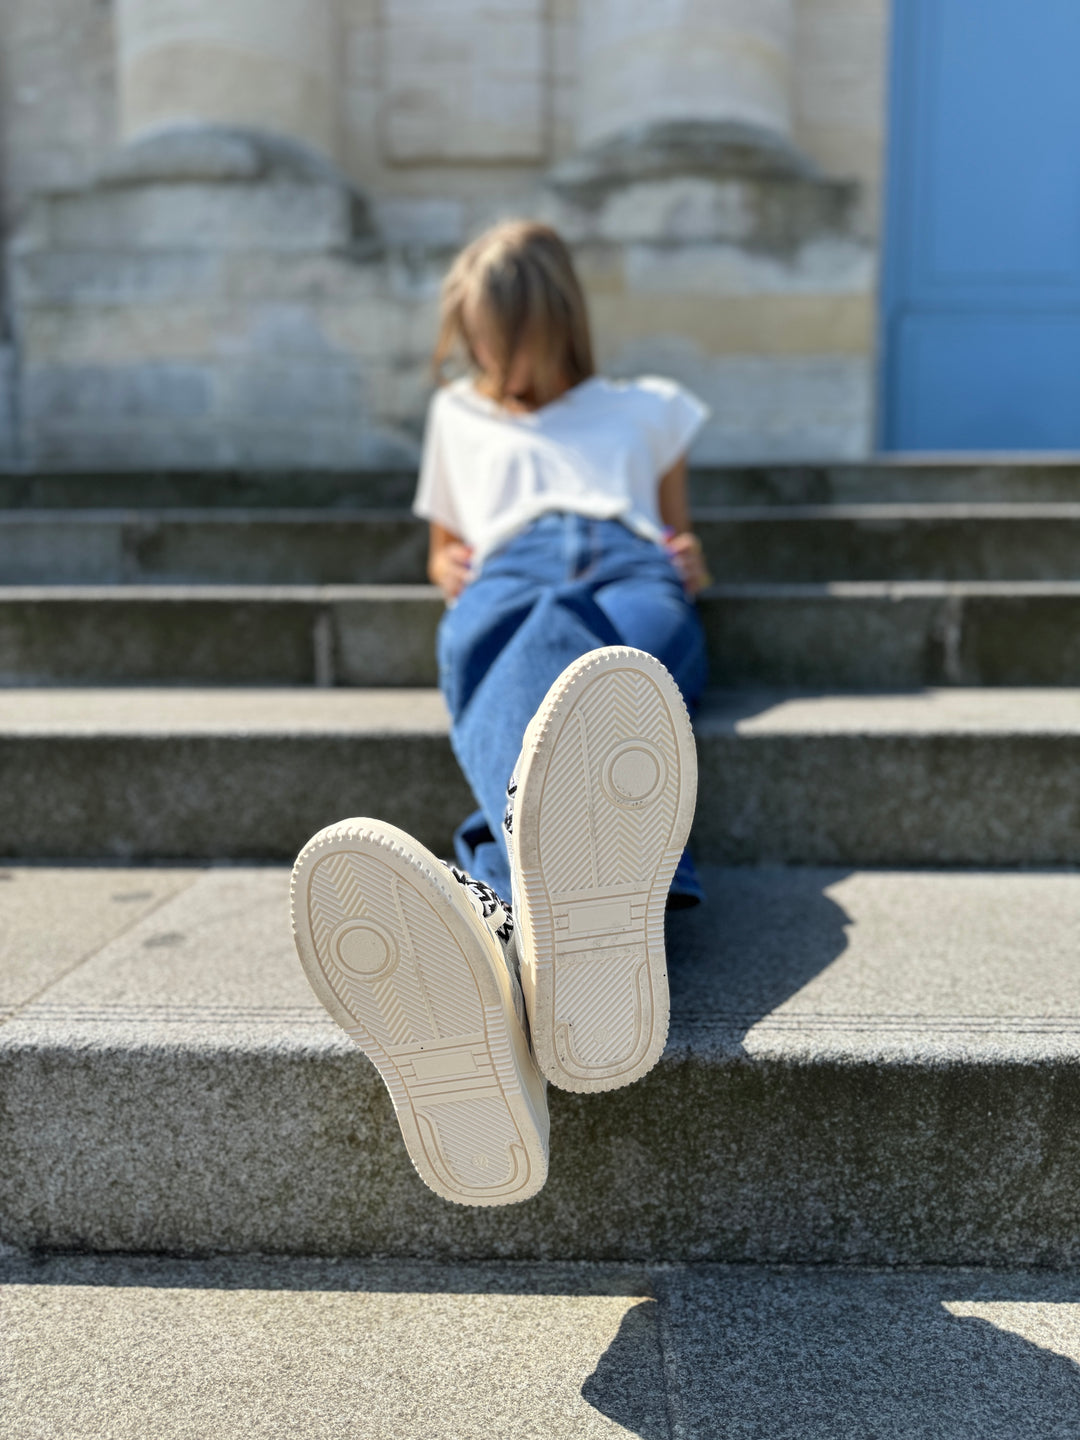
[434, 493]
[679, 416]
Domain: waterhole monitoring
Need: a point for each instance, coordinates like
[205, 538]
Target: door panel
[989, 382]
[981, 293]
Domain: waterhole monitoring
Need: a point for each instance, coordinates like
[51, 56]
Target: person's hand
[687, 556]
[449, 568]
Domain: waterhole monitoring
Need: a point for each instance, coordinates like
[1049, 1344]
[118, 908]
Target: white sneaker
[600, 808]
[399, 952]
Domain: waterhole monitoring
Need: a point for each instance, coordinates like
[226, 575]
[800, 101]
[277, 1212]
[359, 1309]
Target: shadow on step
[765, 933]
[830, 1355]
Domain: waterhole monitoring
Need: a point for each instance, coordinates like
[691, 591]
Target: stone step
[407, 1350]
[965, 479]
[846, 635]
[867, 635]
[951, 776]
[783, 543]
[222, 634]
[864, 1067]
[291, 547]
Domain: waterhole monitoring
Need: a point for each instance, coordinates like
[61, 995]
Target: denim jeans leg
[487, 735]
[651, 615]
[566, 586]
[652, 612]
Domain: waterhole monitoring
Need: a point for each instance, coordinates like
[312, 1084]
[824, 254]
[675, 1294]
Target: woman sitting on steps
[568, 654]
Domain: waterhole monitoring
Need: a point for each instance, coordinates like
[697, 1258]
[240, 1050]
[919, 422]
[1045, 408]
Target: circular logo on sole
[634, 773]
[362, 947]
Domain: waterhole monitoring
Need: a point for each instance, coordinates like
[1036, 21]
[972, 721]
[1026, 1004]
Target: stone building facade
[226, 220]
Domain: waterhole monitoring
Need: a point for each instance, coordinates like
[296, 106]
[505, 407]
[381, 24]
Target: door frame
[901, 42]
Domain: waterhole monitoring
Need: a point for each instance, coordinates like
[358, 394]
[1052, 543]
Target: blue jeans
[564, 586]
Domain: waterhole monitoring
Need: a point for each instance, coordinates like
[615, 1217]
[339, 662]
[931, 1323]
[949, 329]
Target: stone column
[714, 250]
[219, 245]
[647, 64]
[257, 64]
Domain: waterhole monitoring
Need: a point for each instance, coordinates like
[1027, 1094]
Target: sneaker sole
[605, 799]
[405, 966]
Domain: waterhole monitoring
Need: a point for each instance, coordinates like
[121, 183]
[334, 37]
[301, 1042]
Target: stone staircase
[875, 1046]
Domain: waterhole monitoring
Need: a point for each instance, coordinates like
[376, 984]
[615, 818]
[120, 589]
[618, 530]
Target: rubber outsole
[394, 950]
[606, 789]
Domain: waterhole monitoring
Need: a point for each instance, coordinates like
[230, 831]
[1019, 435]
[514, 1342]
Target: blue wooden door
[981, 290]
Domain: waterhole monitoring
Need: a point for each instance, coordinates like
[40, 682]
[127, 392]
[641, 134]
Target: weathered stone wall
[265, 63]
[839, 90]
[252, 277]
[59, 101]
[57, 94]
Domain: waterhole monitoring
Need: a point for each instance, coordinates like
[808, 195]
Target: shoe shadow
[831, 1355]
[615, 1387]
[764, 934]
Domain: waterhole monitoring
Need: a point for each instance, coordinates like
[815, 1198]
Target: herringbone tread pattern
[403, 963]
[603, 1006]
[620, 839]
[605, 798]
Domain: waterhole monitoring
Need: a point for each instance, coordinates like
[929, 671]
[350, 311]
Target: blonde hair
[518, 281]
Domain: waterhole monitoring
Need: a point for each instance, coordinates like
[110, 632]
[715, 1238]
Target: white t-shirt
[599, 450]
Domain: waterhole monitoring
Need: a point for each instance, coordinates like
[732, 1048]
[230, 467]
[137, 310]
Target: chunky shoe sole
[606, 787]
[397, 954]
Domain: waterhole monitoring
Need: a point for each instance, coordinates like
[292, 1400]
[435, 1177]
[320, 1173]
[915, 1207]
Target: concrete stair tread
[53, 921]
[865, 589]
[226, 515]
[964, 478]
[820, 542]
[958, 710]
[890, 512]
[863, 1067]
[934, 966]
[285, 710]
[403, 1350]
[300, 515]
[948, 776]
[228, 710]
[836, 635]
[171, 592]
